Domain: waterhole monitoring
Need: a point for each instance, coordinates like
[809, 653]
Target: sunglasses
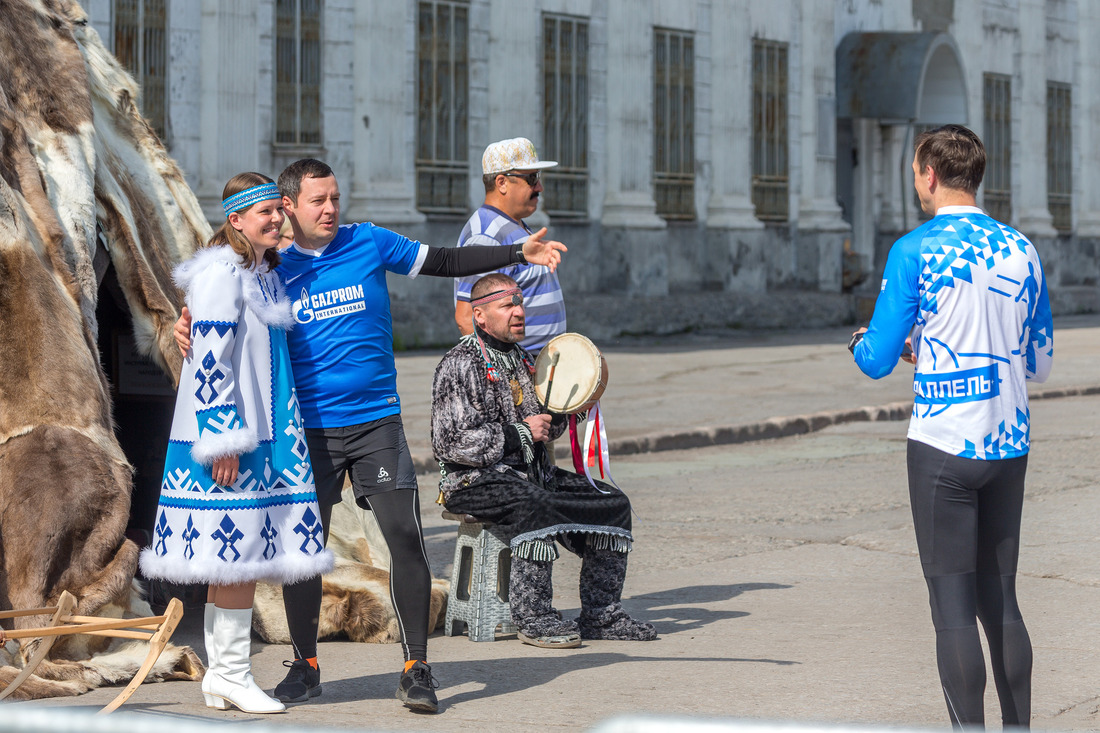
[531, 178]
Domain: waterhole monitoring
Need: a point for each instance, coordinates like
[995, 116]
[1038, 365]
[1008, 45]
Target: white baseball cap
[517, 154]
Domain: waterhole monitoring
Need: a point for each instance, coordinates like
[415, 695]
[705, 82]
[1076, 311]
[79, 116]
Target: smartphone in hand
[856, 338]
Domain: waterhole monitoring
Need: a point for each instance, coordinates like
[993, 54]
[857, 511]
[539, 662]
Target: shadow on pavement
[507, 675]
[669, 610]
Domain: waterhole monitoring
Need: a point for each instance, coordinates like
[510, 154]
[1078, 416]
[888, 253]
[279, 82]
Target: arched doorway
[941, 96]
[889, 85]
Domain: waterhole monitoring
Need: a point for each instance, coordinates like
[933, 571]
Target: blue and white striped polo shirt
[541, 290]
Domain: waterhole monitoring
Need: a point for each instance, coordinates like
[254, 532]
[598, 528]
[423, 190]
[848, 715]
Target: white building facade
[723, 162]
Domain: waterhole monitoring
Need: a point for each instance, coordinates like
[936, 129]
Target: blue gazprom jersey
[341, 346]
[542, 300]
[972, 291]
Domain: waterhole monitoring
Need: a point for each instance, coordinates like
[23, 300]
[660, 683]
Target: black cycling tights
[967, 516]
[398, 515]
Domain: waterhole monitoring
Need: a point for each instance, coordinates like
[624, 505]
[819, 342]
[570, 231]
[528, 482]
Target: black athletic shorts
[376, 455]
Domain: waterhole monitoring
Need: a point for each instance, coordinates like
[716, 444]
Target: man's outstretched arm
[465, 261]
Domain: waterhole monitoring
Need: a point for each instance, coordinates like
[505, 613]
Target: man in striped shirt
[510, 171]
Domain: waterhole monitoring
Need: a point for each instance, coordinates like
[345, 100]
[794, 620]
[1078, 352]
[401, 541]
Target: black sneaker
[302, 682]
[416, 689]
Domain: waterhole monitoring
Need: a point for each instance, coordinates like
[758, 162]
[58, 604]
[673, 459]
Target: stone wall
[620, 281]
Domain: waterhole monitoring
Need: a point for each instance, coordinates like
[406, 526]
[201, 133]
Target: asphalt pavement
[780, 572]
[721, 387]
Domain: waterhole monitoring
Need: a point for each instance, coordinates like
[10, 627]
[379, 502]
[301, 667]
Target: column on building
[730, 205]
[515, 42]
[628, 201]
[817, 208]
[229, 131]
[514, 109]
[1087, 102]
[821, 229]
[894, 156]
[383, 175]
[866, 194]
[99, 18]
[1029, 148]
[185, 86]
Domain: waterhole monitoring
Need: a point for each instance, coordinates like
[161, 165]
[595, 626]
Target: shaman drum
[579, 378]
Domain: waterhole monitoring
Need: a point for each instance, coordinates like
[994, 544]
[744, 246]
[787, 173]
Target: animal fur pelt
[115, 667]
[355, 601]
[97, 661]
[78, 167]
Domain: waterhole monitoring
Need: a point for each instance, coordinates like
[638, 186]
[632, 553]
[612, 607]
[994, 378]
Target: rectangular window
[997, 198]
[565, 115]
[298, 72]
[1060, 156]
[674, 124]
[141, 45]
[442, 145]
[770, 164]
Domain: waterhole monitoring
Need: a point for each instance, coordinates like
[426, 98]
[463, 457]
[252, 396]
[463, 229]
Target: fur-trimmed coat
[224, 404]
[236, 398]
[471, 413]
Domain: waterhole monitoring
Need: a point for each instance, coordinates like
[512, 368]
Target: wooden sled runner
[157, 630]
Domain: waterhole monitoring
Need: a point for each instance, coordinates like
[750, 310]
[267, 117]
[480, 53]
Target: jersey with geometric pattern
[236, 397]
[970, 291]
[543, 303]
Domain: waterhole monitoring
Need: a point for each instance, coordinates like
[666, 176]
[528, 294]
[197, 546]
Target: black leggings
[398, 515]
[967, 516]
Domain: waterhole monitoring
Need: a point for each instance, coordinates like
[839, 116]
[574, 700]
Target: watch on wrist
[520, 257]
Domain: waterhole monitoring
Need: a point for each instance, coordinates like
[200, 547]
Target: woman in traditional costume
[237, 502]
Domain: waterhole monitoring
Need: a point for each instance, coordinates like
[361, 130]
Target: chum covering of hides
[85, 184]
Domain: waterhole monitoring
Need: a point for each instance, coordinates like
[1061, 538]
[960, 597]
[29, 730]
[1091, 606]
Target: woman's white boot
[229, 679]
[211, 659]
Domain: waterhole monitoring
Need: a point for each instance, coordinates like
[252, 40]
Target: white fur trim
[270, 313]
[213, 446]
[286, 568]
[276, 315]
[185, 273]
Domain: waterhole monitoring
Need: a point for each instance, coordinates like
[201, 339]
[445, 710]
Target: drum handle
[550, 381]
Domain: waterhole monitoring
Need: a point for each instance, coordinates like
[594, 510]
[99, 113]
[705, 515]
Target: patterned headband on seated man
[516, 293]
[249, 196]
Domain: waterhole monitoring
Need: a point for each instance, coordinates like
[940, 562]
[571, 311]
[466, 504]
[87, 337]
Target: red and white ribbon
[595, 456]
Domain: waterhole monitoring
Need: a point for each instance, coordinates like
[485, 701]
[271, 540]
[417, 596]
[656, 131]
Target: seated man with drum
[487, 431]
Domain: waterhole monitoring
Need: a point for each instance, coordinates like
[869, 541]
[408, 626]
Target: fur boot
[603, 573]
[531, 593]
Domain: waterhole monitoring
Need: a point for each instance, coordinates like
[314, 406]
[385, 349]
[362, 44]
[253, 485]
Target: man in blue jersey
[341, 351]
[968, 293]
[511, 170]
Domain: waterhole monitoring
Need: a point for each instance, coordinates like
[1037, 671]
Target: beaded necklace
[500, 364]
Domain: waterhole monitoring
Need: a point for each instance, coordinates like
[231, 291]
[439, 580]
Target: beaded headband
[249, 196]
[516, 293]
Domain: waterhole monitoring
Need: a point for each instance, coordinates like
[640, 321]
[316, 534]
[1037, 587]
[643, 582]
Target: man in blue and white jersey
[968, 292]
[510, 172]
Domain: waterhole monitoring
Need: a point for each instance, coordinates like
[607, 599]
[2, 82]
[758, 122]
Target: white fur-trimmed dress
[236, 397]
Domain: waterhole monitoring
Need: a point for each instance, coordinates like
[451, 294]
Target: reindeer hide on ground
[355, 601]
[92, 665]
[75, 156]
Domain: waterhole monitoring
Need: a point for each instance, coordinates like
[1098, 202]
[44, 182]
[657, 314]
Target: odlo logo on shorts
[383, 477]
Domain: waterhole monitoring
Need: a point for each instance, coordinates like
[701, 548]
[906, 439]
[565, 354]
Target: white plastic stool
[479, 582]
